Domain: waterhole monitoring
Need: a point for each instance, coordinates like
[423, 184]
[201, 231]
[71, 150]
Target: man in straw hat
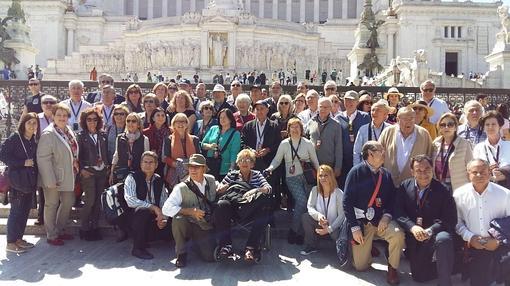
[190, 206]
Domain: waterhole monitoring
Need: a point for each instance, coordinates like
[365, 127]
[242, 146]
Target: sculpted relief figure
[219, 49]
[505, 23]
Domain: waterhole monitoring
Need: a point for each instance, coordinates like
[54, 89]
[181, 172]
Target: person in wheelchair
[244, 197]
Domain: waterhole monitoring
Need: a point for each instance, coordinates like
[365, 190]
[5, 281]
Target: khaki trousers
[57, 207]
[362, 258]
[185, 232]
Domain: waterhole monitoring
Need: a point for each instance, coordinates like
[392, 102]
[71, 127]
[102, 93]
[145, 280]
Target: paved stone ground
[106, 262]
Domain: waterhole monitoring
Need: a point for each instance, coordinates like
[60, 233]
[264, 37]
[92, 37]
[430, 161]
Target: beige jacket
[457, 163]
[422, 145]
[55, 161]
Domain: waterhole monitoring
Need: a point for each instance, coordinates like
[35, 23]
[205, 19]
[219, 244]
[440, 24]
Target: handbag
[23, 179]
[214, 163]
[309, 172]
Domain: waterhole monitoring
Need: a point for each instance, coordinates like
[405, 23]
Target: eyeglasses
[447, 124]
[148, 101]
[133, 91]
[207, 108]
[236, 85]
[149, 162]
[330, 88]
[132, 121]
[245, 160]
[284, 103]
[49, 102]
[33, 84]
[92, 119]
[428, 90]
[119, 114]
[106, 81]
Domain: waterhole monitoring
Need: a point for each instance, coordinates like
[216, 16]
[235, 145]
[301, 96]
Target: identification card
[370, 214]
[216, 154]
[419, 221]
[318, 143]
[351, 137]
[292, 169]
[76, 126]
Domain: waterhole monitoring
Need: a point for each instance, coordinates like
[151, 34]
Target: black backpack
[113, 203]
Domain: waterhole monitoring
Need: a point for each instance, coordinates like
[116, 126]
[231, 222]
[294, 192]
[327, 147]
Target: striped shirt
[134, 202]
[257, 180]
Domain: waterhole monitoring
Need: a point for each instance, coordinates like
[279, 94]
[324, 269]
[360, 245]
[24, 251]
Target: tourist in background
[200, 96]
[18, 152]
[129, 148]
[255, 94]
[93, 166]
[177, 148]
[172, 89]
[222, 142]
[97, 96]
[393, 96]
[243, 114]
[57, 161]
[452, 153]
[206, 109]
[293, 151]
[33, 102]
[275, 93]
[439, 106]
[471, 129]
[157, 132]
[423, 113]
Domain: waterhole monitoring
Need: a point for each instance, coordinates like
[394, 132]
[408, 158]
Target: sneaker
[14, 248]
[24, 244]
[226, 251]
[309, 250]
[342, 252]
[142, 253]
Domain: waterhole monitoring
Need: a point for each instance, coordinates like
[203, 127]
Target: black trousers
[420, 256]
[258, 212]
[486, 266]
[145, 229]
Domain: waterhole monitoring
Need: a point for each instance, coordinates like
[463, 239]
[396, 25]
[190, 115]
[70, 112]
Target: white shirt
[331, 206]
[306, 115]
[440, 107]
[404, 148]
[351, 117]
[43, 121]
[485, 151]
[134, 202]
[172, 206]
[76, 110]
[475, 211]
[362, 138]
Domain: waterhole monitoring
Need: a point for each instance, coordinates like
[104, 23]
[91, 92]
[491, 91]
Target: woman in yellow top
[423, 113]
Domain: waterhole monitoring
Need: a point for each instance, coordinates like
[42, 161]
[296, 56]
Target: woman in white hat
[393, 97]
[423, 113]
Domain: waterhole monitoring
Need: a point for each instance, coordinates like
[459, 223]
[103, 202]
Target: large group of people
[348, 167]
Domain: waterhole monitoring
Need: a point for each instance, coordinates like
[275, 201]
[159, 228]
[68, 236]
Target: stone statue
[367, 16]
[219, 49]
[372, 42]
[16, 12]
[370, 64]
[225, 4]
[7, 55]
[419, 67]
[505, 22]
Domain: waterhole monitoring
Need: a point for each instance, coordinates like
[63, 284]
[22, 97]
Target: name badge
[370, 214]
[318, 143]
[419, 221]
[35, 101]
[292, 169]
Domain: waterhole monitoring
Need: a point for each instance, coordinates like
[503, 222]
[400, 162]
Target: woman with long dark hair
[157, 132]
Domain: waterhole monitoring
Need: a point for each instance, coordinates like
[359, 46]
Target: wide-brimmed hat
[393, 90]
[196, 160]
[423, 104]
[220, 88]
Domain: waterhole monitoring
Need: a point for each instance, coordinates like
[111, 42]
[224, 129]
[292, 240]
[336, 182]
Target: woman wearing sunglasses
[451, 153]
[203, 125]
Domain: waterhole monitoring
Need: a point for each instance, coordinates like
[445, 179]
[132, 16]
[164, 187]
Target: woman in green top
[222, 142]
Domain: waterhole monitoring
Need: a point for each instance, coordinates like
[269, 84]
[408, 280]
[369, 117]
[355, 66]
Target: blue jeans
[18, 216]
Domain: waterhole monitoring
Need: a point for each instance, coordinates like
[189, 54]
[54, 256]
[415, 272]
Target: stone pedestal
[499, 65]
[356, 56]
[25, 53]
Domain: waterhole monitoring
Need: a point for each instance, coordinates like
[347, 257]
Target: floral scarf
[70, 140]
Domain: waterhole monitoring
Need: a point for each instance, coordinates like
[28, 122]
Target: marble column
[247, 6]
[193, 6]
[136, 8]
[316, 11]
[123, 5]
[330, 9]
[288, 14]
[302, 11]
[178, 8]
[275, 9]
[391, 47]
[150, 9]
[344, 9]
[261, 8]
[70, 41]
[164, 13]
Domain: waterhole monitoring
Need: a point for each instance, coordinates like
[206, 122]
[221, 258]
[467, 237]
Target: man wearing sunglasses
[33, 103]
[428, 93]
[97, 96]
[235, 90]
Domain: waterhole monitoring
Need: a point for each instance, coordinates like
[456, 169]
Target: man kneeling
[189, 205]
[145, 192]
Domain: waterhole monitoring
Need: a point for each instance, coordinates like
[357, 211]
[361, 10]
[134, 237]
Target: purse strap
[197, 192]
[23, 144]
[228, 141]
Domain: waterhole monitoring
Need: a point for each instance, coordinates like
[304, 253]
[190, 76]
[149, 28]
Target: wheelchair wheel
[266, 243]
[216, 254]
